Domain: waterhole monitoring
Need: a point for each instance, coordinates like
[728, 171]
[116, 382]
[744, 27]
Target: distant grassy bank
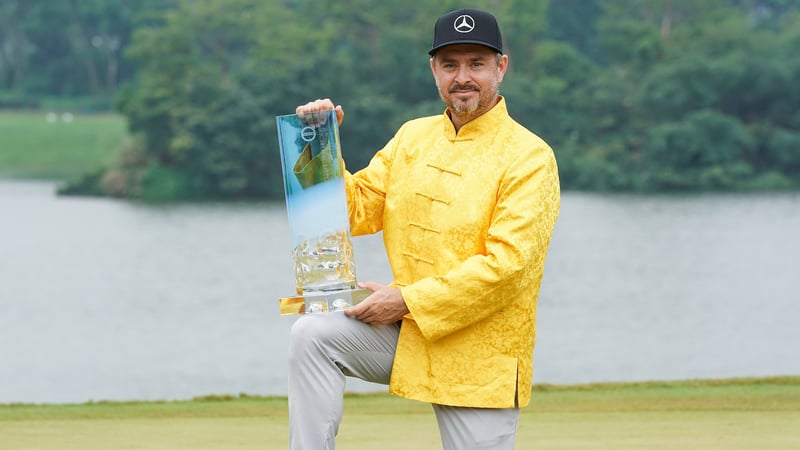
[57, 146]
[761, 413]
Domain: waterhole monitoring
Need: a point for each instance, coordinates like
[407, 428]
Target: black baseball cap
[467, 26]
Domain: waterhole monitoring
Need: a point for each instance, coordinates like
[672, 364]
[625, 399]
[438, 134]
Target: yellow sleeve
[366, 191]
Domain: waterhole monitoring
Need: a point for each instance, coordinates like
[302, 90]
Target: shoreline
[789, 381]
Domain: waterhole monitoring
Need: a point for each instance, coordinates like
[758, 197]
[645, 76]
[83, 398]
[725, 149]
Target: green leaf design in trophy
[313, 176]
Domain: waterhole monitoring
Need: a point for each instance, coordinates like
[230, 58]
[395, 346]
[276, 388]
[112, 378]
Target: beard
[471, 106]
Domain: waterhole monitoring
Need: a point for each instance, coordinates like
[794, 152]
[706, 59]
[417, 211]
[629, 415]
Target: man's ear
[502, 66]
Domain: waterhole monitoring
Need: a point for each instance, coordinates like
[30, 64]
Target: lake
[104, 299]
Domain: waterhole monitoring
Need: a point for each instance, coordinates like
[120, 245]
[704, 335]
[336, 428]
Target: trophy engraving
[316, 204]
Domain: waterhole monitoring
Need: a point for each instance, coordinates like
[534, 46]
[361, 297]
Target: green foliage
[69, 47]
[701, 150]
[574, 22]
[686, 96]
[635, 95]
[160, 183]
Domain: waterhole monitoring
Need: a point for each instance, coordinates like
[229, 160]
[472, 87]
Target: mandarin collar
[490, 120]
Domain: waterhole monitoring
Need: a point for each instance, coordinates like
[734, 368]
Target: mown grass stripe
[750, 394]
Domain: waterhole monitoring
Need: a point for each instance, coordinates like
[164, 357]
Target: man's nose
[462, 74]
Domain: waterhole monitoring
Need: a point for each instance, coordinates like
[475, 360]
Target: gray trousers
[326, 348]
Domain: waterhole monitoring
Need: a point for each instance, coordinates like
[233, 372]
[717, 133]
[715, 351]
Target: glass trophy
[313, 176]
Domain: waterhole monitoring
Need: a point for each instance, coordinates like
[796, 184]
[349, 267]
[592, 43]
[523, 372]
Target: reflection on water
[111, 300]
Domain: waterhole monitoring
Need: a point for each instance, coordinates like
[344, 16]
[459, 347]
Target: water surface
[104, 299]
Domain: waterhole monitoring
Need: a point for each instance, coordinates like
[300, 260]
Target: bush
[160, 183]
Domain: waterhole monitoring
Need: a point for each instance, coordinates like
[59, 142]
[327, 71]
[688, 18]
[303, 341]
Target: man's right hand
[307, 112]
[384, 306]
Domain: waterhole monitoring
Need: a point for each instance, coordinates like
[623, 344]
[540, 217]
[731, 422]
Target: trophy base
[322, 301]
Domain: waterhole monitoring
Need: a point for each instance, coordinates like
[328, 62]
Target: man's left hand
[384, 306]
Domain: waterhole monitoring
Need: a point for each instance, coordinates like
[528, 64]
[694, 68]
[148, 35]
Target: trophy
[313, 179]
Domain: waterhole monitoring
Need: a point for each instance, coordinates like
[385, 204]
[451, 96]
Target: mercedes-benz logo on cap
[464, 23]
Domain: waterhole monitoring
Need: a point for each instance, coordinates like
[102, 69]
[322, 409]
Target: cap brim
[461, 41]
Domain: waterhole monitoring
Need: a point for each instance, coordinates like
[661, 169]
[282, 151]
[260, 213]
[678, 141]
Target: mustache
[463, 87]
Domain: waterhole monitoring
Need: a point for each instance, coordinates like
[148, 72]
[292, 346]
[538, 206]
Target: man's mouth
[463, 89]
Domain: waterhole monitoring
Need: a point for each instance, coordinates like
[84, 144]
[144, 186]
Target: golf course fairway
[751, 413]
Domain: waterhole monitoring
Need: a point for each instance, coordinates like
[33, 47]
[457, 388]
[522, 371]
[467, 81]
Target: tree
[14, 46]
[75, 46]
[632, 94]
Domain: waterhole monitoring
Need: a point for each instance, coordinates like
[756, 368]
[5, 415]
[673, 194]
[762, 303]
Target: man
[467, 202]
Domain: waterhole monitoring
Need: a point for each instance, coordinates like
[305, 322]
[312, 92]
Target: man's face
[468, 78]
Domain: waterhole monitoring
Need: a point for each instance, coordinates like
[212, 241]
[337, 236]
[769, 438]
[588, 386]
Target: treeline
[68, 49]
[633, 95]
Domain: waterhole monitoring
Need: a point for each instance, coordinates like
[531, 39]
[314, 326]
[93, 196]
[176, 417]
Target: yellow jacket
[466, 221]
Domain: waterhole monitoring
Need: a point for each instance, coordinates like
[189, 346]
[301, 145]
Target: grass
[33, 147]
[748, 414]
